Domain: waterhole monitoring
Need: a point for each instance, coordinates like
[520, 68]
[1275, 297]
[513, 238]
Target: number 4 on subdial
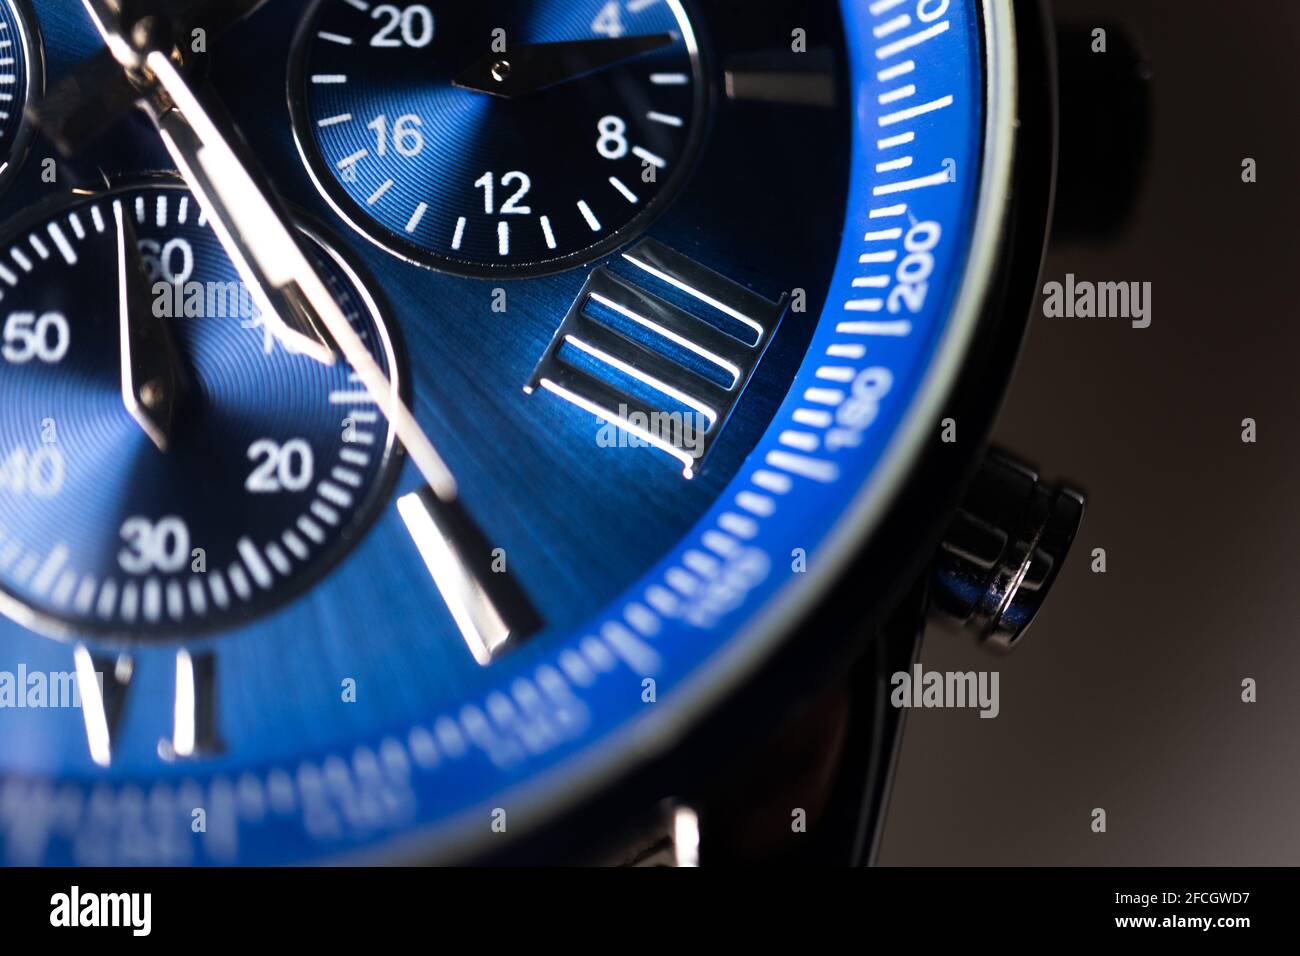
[522, 140]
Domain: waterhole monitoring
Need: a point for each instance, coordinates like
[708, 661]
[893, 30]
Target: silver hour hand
[153, 377]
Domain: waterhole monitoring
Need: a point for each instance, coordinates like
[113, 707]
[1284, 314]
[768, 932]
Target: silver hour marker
[194, 709]
[102, 685]
[779, 76]
[796, 89]
[657, 359]
[490, 609]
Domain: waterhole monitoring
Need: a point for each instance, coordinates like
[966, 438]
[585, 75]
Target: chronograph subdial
[22, 76]
[120, 521]
[518, 137]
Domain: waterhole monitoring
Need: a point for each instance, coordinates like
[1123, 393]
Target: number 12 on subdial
[526, 141]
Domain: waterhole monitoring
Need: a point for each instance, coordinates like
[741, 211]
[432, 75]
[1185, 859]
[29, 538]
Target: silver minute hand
[286, 288]
[490, 610]
[242, 209]
[252, 227]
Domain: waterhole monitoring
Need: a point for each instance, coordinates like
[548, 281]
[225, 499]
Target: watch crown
[1003, 550]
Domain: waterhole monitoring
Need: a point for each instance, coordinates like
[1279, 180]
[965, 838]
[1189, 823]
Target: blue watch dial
[498, 137]
[798, 281]
[273, 461]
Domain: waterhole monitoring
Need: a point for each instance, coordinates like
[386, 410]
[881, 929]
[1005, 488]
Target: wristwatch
[527, 431]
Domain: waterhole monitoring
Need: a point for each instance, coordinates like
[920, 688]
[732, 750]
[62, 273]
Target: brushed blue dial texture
[353, 721]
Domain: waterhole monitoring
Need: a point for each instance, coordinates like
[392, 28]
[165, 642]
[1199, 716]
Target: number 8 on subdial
[118, 520]
[523, 136]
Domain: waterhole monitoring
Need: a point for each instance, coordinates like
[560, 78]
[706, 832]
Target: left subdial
[271, 464]
[22, 75]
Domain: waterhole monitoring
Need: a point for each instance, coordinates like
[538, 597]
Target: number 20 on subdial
[485, 138]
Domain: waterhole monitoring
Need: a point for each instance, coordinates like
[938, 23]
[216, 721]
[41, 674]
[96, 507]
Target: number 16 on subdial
[538, 140]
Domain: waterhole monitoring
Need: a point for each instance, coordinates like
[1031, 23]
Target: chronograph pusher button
[1003, 550]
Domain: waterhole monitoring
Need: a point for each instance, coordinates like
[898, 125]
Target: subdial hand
[529, 68]
[153, 376]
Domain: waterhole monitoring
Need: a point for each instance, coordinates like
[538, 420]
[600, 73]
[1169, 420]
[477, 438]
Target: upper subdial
[525, 136]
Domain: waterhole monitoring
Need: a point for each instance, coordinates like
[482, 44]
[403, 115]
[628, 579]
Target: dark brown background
[1127, 693]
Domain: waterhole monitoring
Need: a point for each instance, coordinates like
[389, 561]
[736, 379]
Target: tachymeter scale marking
[276, 459]
[461, 179]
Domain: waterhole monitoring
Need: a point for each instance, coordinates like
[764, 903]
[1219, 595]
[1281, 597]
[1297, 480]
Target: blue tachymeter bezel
[34, 59]
[440, 766]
